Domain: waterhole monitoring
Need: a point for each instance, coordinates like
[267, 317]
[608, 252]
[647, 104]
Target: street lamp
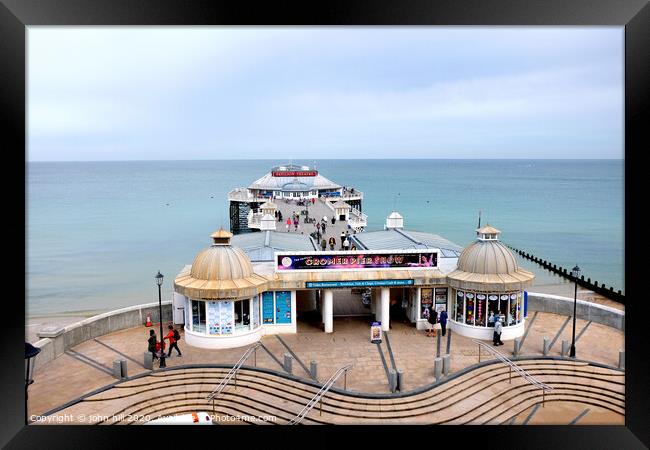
[30, 354]
[159, 282]
[575, 273]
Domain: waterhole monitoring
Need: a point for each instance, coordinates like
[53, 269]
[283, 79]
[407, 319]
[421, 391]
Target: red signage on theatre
[295, 173]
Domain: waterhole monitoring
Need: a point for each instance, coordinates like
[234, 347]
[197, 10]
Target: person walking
[342, 239]
[152, 344]
[443, 321]
[332, 243]
[322, 227]
[288, 224]
[333, 220]
[323, 244]
[433, 320]
[498, 327]
[318, 226]
[173, 336]
[354, 247]
[295, 223]
[346, 245]
[426, 315]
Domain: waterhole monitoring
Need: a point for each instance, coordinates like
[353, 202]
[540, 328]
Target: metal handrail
[504, 359]
[233, 372]
[319, 395]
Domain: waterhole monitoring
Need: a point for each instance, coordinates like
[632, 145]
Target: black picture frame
[634, 15]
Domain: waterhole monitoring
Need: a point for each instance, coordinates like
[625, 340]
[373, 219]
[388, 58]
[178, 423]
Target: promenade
[87, 366]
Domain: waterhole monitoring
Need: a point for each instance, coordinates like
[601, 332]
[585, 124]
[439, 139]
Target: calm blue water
[99, 231]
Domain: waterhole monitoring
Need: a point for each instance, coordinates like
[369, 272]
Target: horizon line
[326, 159]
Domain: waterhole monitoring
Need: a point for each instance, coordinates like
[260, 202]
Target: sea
[98, 232]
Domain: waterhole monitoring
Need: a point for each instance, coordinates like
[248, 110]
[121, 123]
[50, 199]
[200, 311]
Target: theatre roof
[261, 246]
[269, 182]
[396, 239]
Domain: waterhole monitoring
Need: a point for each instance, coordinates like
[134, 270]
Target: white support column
[418, 303]
[385, 308]
[328, 310]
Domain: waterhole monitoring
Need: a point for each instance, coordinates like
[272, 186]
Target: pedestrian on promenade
[323, 244]
[342, 239]
[346, 244]
[288, 224]
[295, 223]
[313, 200]
[433, 320]
[173, 336]
[498, 327]
[443, 321]
[322, 227]
[354, 247]
[333, 220]
[332, 242]
[152, 344]
[318, 226]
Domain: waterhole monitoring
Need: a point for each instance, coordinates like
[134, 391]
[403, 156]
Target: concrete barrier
[589, 311]
[446, 365]
[437, 368]
[566, 348]
[56, 340]
[546, 346]
[313, 369]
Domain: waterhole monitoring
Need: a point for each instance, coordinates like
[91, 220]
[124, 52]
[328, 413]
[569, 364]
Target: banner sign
[375, 332]
[356, 260]
[295, 173]
[356, 283]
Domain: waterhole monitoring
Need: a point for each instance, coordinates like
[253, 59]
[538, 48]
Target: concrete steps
[482, 396]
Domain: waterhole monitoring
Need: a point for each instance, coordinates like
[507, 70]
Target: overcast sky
[125, 93]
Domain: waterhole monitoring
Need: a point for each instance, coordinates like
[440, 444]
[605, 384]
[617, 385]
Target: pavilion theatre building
[253, 284]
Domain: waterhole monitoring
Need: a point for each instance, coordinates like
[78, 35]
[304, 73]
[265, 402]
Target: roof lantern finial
[221, 237]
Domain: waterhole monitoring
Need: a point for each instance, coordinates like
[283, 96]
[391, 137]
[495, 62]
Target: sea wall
[594, 312]
[56, 340]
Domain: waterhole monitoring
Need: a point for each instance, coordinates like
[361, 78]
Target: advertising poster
[255, 313]
[356, 261]
[375, 332]
[441, 300]
[227, 317]
[267, 307]
[282, 307]
[214, 318]
[426, 300]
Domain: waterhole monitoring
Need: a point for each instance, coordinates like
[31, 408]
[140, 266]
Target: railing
[329, 205]
[233, 373]
[349, 194]
[504, 359]
[320, 394]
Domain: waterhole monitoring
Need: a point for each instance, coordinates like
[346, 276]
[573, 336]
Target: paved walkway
[83, 369]
[316, 211]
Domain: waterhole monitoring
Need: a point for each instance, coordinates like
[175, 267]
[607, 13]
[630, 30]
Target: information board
[282, 307]
[267, 307]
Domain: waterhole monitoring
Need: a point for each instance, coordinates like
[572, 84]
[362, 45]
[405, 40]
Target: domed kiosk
[488, 283]
[221, 296]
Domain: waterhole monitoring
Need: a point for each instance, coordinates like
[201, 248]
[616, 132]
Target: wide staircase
[489, 394]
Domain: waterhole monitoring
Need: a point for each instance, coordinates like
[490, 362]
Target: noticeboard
[267, 307]
[282, 307]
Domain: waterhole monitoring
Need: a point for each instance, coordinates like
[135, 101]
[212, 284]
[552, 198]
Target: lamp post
[30, 354]
[575, 272]
[159, 282]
